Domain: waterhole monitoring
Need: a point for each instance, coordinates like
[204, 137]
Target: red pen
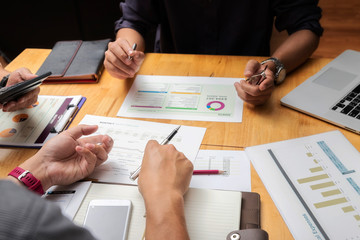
[205, 172]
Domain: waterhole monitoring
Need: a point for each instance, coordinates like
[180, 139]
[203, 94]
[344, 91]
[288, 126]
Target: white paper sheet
[130, 138]
[68, 198]
[314, 182]
[235, 163]
[185, 98]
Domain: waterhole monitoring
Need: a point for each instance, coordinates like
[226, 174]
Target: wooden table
[264, 124]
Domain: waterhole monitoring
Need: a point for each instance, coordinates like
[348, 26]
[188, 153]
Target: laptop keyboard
[350, 104]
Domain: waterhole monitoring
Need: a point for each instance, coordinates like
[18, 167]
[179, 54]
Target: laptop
[332, 94]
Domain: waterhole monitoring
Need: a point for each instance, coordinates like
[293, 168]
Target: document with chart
[130, 138]
[33, 126]
[184, 98]
[314, 182]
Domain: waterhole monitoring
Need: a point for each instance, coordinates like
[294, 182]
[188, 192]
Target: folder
[32, 126]
[75, 61]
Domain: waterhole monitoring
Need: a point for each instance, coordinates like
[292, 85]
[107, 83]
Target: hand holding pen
[123, 61]
[133, 48]
[134, 175]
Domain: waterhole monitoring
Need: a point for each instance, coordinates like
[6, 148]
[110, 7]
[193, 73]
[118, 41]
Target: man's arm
[165, 218]
[163, 180]
[67, 157]
[292, 53]
[296, 49]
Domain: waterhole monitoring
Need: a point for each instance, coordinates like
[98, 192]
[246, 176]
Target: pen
[205, 172]
[61, 192]
[135, 174]
[133, 48]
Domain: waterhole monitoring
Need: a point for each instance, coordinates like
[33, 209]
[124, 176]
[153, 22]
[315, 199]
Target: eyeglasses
[257, 79]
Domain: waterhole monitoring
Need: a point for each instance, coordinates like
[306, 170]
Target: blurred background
[39, 24]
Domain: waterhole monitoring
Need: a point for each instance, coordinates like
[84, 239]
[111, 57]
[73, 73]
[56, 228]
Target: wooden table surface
[263, 124]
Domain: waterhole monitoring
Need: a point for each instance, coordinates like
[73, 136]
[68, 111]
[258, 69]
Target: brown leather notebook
[75, 61]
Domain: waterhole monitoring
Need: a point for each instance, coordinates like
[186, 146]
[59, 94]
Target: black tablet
[13, 92]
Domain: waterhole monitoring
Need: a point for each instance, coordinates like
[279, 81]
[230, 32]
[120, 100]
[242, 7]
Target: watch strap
[27, 179]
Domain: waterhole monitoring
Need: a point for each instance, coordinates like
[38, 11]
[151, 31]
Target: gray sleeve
[24, 215]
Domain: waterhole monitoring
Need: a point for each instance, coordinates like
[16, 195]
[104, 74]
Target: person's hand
[121, 61]
[163, 180]
[256, 94]
[21, 75]
[67, 158]
[164, 170]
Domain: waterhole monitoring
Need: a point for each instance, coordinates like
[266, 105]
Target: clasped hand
[21, 75]
[255, 94]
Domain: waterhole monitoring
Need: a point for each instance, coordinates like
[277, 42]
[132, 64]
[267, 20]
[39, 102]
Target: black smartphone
[13, 92]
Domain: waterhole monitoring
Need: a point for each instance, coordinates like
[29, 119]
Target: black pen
[133, 48]
[61, 192]
[134, 175]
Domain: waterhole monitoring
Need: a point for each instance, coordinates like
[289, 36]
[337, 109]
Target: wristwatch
[280, 71]
[27, 179]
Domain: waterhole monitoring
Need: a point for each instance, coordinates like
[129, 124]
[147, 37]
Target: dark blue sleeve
[140, 15]
[295, 15]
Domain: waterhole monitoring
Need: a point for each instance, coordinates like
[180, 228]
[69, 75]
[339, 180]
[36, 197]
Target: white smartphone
[108, 219]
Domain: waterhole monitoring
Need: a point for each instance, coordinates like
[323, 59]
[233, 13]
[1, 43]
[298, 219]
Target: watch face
[281, 76]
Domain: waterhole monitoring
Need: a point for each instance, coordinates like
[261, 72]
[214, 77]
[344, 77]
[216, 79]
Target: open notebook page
[210, 214]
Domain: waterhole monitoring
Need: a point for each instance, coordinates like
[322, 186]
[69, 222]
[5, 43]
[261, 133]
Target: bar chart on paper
[327, 183]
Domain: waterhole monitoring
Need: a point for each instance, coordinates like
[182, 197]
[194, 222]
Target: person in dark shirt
[8, 79]
[228, 27]
[67, 158]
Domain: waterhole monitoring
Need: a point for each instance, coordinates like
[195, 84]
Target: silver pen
[134, 175]
[133, 48]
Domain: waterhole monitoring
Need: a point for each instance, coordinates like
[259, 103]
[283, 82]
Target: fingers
[251, 68]
[80, 130]
[20, 75]
[97, 153]
[118, 62]
[252, 93]
[255, 94]
[23, 102]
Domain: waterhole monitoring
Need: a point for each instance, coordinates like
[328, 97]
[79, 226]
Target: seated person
[219, 27]
[67, 158]
[9, 79]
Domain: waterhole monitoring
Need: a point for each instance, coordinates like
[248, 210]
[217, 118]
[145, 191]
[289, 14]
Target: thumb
[80, 130]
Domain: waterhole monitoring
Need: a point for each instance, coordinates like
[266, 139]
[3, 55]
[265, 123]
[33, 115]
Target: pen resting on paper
[135, 174]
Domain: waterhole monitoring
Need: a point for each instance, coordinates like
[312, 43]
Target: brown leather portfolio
[249, 219]
[75, 61]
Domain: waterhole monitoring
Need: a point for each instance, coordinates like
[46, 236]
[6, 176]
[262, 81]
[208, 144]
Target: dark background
[39, 24]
